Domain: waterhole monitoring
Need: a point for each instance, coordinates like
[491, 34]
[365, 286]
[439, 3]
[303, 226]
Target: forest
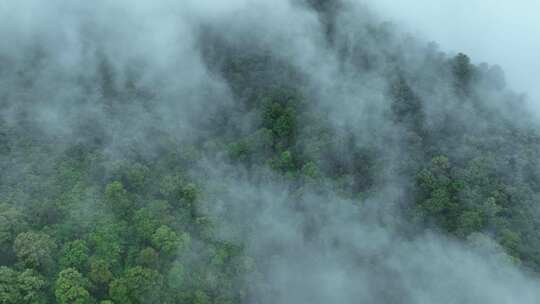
[304, 151]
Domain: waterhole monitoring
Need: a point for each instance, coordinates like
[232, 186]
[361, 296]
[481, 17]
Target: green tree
[9, 291]
[138, 285]
[168, 242]
[189, 193]
[26, 287]
[117, 198]
[438, 193]
[407, 107]
[35, 249]
[107, 242]
[281, 120]
[510, 240]
[283, 162]
[11, 224]
[100, 272]
[32, 287]
[136, 177]
[74, 255]
[462, 69]
[148, 219]
[148, 257]
[170, 186]
[200, 297]
[470, 221]
[177, 277]
[72, 288]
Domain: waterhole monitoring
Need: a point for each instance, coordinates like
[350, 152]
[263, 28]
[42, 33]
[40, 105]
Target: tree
[406, 106]
[281, 120]
[168, 242]
[107, 76]
[35, 249]
[32, 287]
[510, 240]
[177, 277]
[145, 224]
[189, 193]
[311, 173]
[100, 275]
[438, 193]
[200, 297]
[283, 162]
[11, 224]
[470, 221]
[148, 257]
[138, 285]
[148, 219]
[119, 291]
[107, 243]
[72, 288]
[9, 291]
[100, 272]
[74, 255]
[136, 176]
[170, 187]
[26, 287]
[462, 70]
[117, 198]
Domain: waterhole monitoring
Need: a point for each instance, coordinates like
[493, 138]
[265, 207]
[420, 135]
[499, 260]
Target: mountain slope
[293, 153]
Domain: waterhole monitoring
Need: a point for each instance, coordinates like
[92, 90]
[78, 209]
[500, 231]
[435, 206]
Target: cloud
[324, 249]
[311, 248]
[496, 32]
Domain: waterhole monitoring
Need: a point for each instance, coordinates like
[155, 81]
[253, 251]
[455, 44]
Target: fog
[128, 78]
[498, 32]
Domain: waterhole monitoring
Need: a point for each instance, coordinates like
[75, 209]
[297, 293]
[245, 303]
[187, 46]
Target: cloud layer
[327, 249]
[497, 32]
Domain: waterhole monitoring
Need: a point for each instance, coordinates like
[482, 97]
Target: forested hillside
[302, 151]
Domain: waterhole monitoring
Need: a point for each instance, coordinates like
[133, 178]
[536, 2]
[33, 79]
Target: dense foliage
[81, 222]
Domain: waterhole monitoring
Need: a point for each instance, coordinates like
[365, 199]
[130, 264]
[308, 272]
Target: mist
[503, 33]
[245, 152]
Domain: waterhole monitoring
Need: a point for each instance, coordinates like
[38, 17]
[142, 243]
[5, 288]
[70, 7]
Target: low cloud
[496, 32]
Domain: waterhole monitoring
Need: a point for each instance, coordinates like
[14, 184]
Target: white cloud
[498, 32]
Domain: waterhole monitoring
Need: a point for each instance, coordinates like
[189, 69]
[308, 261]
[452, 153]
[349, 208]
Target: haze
[506, 33]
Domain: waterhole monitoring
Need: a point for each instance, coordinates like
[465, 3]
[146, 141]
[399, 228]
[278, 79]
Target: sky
[506, 33]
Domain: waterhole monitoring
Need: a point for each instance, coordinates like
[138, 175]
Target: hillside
[302, 151]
